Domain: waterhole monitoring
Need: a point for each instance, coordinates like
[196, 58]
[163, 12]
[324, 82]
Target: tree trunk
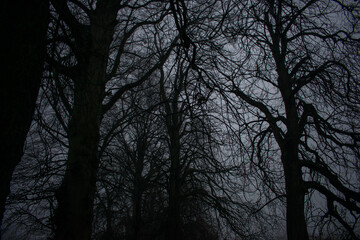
[137, 207]
[138, 188]
[73, 217]
[295, 191]
[295, 194]
[74, 214]
[174, 230]
[23, 26]
[173, 225]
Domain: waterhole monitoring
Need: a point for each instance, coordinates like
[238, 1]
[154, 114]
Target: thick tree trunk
[74, 214]
[174, 228]
[138, 189]
[137, 208]
[23, 26]
[73, 217]
[295, 194]
[295, 191]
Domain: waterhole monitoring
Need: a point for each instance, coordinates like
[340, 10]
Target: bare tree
[194, 119]
[133, 168]
[297, 88]
[96, 37]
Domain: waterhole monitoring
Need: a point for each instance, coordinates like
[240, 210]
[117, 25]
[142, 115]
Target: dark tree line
[180, 119]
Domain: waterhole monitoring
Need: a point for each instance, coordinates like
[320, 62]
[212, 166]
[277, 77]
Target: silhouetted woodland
[145, 119]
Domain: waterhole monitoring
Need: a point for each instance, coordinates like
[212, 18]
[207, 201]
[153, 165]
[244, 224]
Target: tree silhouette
[22, 60]
[88, 33]
[183, 120]
[293, 78]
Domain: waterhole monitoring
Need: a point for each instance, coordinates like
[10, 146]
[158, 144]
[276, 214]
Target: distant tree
[24, 24]
[297, 89]
[131, 174]
[203, 173]
[192, 143]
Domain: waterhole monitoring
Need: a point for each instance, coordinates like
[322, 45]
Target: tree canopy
[187, 120]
